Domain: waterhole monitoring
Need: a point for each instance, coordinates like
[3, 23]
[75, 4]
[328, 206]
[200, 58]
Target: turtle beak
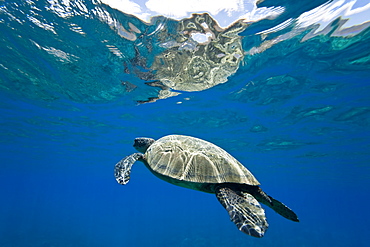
[137, 143]
[141, 144]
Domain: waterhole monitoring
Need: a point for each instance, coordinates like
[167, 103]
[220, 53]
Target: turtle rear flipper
[277, 206]
[245, 212]
[122, 169]
[282, 209]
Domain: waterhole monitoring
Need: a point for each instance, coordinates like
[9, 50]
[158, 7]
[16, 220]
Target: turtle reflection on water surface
[200, 55]
[200, 165]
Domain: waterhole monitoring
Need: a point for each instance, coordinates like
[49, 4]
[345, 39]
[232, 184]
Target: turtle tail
[276, 205]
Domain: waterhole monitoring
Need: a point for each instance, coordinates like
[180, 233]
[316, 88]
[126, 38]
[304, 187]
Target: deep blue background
[60, 142]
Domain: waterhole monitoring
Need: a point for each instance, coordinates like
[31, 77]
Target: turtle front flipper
[246, 213]
[122, 169]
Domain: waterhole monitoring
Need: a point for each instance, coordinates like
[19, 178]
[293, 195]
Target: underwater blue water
[72, 88]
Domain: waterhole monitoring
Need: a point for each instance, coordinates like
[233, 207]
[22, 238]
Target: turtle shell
[191, 159]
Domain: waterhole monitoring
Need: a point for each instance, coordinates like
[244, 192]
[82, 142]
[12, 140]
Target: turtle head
[141, 144]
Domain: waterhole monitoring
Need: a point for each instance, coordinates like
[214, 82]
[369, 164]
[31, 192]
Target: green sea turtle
[200, 165]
